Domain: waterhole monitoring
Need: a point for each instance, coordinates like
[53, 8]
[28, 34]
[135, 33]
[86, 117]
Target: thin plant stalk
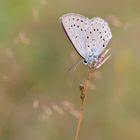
[83, 90]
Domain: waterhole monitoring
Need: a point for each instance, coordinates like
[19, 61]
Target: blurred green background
[39, 100]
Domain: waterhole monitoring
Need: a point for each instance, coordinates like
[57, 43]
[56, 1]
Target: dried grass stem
[83, 90]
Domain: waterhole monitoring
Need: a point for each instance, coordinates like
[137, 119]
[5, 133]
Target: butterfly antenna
[74, 66]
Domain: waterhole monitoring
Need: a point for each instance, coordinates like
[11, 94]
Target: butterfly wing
[75, 26]
[98, 35]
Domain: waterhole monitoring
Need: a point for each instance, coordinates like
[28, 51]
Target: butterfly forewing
[75, 27]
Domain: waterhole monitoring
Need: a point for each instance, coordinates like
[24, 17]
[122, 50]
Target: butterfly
[88, 36]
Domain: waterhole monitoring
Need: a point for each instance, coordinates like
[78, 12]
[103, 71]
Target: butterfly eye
[85, 62]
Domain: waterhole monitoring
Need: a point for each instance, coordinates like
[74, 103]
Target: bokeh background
[39, 100]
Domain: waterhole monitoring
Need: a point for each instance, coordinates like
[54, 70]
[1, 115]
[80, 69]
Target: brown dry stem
[83, 90]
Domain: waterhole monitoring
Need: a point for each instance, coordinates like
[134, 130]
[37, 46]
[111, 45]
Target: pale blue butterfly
[88, 36]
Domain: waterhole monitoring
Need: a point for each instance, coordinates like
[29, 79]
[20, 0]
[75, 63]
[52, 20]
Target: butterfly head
[90, 59]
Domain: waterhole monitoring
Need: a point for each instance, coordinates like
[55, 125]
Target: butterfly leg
[102, 58]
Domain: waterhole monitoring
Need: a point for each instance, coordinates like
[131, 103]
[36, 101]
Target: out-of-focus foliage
[39, 100]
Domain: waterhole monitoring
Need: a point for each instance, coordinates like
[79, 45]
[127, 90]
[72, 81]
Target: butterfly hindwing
[98, 35]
